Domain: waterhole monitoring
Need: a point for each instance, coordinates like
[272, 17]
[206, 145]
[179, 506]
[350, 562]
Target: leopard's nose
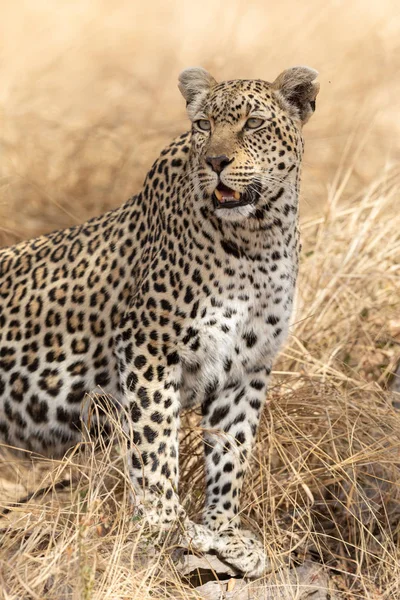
[218, 163]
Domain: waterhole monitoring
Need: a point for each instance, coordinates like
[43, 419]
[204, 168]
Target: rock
[308, 581]
[189, 563]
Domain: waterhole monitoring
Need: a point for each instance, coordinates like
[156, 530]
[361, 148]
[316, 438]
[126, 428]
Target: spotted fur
[169, 301]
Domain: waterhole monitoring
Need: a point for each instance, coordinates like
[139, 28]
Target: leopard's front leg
[154, 410]
[230, 420]
[152, 398]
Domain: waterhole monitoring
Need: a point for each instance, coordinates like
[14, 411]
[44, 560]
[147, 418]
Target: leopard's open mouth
[225, 197]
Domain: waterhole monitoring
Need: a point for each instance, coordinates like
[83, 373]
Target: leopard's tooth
[236, 195]
[218, 194]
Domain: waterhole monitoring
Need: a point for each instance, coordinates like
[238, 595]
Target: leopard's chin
[236, 214]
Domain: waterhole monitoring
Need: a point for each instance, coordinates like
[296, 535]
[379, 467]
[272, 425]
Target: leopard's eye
[203, 124]
[254, 123]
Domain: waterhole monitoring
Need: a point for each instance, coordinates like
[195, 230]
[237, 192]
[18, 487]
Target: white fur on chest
[243, 331]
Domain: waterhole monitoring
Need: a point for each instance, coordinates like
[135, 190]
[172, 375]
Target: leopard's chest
[237, 331]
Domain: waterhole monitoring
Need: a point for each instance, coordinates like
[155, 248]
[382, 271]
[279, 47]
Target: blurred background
[89, 96]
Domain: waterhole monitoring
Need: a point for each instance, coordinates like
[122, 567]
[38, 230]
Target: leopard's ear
[299, 90]
[195, 81]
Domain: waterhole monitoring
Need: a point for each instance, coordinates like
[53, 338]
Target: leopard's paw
[243, 551]
[199, 537]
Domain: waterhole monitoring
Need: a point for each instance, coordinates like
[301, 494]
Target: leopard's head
[246, 143]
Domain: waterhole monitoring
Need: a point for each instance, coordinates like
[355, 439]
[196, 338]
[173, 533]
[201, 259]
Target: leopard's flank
[180, 297]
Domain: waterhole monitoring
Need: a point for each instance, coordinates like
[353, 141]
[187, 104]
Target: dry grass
[88, 98]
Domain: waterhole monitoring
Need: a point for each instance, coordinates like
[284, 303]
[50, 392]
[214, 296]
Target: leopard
[180, 298]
